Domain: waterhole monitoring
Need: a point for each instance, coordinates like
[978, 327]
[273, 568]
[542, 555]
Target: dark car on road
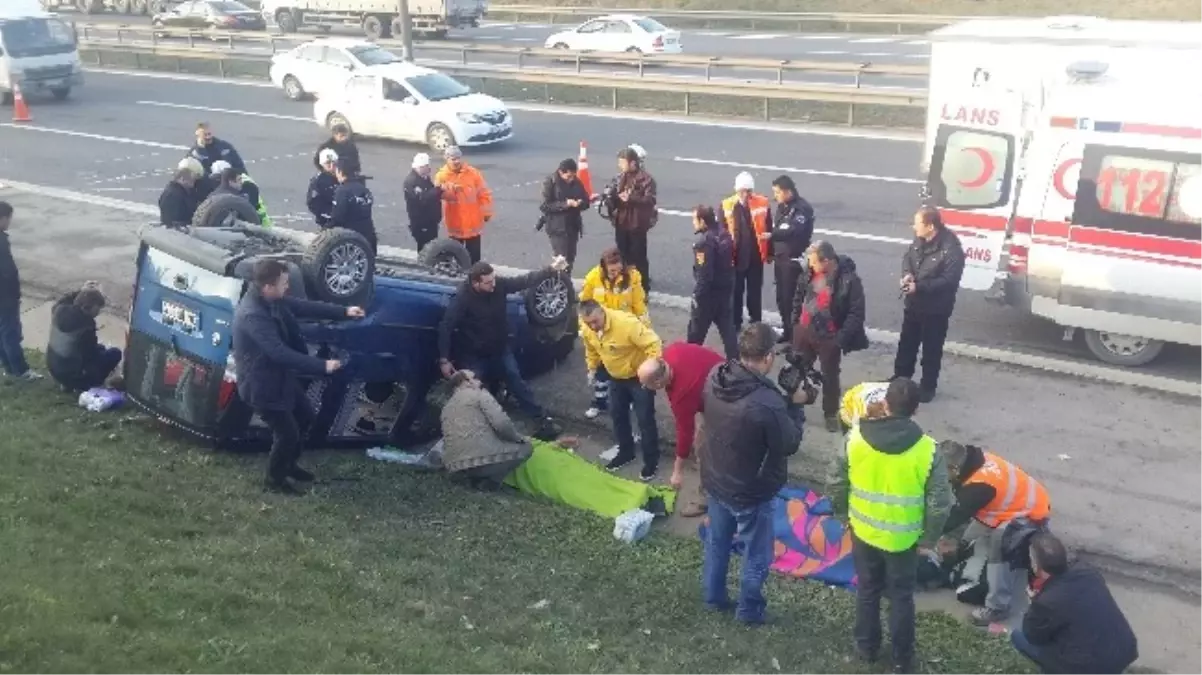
[179, 360]
[210, 15]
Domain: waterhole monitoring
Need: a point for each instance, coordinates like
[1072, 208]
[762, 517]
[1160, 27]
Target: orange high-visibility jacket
[466, 201]
[1015, 493]
[760, 215]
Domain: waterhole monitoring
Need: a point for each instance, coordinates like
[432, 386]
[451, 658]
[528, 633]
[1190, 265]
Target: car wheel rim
[346, 269]
[448, 265]
[1123, 345]
[550, 298]
[440, 138]
[291, 87]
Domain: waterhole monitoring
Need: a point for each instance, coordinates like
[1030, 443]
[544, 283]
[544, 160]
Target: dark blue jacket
[10, 278]
[218, 149]
[320, 198]
[713, 262]
[269, 351]
[352, 207]
[1078, 627]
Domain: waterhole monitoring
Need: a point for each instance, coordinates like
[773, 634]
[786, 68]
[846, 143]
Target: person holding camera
[564, 202]
[828, 319]
[749, 431]
[632, 207]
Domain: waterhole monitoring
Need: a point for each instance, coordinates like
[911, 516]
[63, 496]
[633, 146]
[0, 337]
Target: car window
[336, 57]
[228, 6]
[1144, 187]
[364, 86]
[437, 87]
[595, 26]
[618, 27]
[200, 9]
[395, 91]
[650, 25]
[372, 55]
[310, 53]
[974, 169]
[184, 8]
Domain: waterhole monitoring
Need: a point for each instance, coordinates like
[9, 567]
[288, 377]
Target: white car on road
[618, 33]
[407, 102]
[319, 65]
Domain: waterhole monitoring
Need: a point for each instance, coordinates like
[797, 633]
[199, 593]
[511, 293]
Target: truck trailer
[378, 18]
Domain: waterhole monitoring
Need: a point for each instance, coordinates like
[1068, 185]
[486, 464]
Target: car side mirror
[409, 100]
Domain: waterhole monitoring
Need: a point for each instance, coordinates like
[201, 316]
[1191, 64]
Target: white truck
[130, 7]
[378, 18]
[38, 51]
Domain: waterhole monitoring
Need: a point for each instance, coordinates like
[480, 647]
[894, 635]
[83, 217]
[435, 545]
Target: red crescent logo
[1058, 178]
[986, 169]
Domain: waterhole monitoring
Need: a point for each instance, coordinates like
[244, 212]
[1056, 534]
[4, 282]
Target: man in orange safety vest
[749, 219]
[466, 199]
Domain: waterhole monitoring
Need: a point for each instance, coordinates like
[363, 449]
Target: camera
[797, 374]
[609, 199]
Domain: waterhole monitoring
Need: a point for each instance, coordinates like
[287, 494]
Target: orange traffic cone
[20, 110]
[586, 179]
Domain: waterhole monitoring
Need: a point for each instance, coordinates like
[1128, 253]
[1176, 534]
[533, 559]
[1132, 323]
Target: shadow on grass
[128, 550]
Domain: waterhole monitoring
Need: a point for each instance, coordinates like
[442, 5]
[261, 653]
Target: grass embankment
[592, 97]
[127, 549]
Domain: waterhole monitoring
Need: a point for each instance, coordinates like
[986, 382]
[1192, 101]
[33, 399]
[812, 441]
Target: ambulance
[1065, 154]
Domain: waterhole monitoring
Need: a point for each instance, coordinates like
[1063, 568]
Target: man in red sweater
[682, 372]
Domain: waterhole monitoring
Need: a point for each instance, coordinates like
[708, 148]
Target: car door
[364, 104]
[178, 16]
[199, 17]
[617, 36]
[335, 67]
[588, 36]
[399, 112]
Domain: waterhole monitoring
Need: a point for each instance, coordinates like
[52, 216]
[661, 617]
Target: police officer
[320, 197]
[714, 280]
[790, 238]
[353, 203]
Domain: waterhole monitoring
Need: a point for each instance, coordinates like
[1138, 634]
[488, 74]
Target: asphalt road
[835, 50]
[123, 134]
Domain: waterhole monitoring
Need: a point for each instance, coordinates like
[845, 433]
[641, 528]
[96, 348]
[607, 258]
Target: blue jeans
[12, 356]
[1019, 640]
[504, 367]
[627, 394]
[753, 526]
[601, 389]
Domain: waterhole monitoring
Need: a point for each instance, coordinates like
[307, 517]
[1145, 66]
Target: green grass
[127, 549]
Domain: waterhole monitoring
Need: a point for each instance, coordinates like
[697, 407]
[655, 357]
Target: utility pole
[406, 30]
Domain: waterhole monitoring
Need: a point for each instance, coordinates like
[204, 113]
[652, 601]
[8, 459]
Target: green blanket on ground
[566, 478]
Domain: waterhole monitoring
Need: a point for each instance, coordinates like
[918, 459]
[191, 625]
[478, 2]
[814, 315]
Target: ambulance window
[1185, 197]
[1146, 188]
[973, 170]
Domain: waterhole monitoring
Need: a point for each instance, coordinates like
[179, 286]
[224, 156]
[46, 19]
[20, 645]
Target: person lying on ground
[74, 356]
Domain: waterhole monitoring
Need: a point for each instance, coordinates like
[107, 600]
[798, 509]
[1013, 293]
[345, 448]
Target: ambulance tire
[223, 209]
[447, 257]
[340, 268]
[1115, 349]
[551, 301]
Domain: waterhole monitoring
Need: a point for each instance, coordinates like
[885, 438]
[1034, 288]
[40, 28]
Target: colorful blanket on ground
[565, 477]
[810, 542]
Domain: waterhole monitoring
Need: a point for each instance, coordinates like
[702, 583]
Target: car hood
[475, 103]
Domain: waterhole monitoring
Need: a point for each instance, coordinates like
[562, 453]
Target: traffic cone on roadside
[582, 173]
[20, 110]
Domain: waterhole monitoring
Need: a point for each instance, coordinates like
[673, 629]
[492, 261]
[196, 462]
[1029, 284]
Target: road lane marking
[827, 52]
[759, 36]
[227, 111]
[790, 169]
[872, 41]
[819, 37]
[1043, 363]
[714, 33]
[658, 118]
[918, 43]
[876, 55]
[96, 137]
[917, 56]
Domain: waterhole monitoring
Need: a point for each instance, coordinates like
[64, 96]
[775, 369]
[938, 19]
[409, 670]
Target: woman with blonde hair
[614, 285]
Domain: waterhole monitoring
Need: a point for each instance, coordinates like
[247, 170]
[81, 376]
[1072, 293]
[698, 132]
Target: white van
[38, 51]
[1027, 114]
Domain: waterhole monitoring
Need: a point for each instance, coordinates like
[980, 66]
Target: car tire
[340, 268]
[61, 93]
[121, 6]
[222, 209]
[139, 7]
[1122, 350]
[560, 45]
[553, 347]
[439, 137]
[374, 28]
[156, 6]
[549, 302]
[335, 118]
[293, 88]
[286, 21]
[447, 257]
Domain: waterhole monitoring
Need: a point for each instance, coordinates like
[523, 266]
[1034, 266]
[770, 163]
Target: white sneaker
[592, 413]
[609, 454]
[31, 376]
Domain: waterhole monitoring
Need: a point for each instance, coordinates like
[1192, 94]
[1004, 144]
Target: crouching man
[74, 355]
[480, 442]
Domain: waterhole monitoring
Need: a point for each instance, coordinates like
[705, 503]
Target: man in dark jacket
[423, 202]
[12, 355]
[209, 149]
[320, 197]
[828, 319]
[178, 201]
[791, 235]
[475, 330]
[343, 145]
[931, 271]
[1073, 624]
[749, 432]
[74, 356]
[271, 356]
[634, 212]
[564, 202]
[713, 282]
[353, 203]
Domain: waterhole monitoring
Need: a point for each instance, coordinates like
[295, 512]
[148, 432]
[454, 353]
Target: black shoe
[832, 424]
[300, 474]
[906, 666]
[926, 395]
[647, 474]
[280, 486]
[619, 462]
[866, 657]
[548, 430]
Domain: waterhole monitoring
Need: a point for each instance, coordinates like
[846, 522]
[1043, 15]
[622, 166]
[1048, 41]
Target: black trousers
[895, 574]
[928, 331]
[829, 355]
[786, 272]
[423, 236]
[713, 309]
[287, 427]
[473, 247]
[633, 247]
[749, 283]
[565, 245]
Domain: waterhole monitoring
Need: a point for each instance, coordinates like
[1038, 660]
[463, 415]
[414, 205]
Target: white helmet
[638, 150]
[219, 166]
[192, 165]
[326, 156]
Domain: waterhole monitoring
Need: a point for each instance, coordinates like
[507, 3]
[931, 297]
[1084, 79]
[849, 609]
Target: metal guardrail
[765, 92]
[208, 40]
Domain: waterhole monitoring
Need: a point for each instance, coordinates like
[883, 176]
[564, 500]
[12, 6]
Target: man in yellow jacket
[620, 343]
